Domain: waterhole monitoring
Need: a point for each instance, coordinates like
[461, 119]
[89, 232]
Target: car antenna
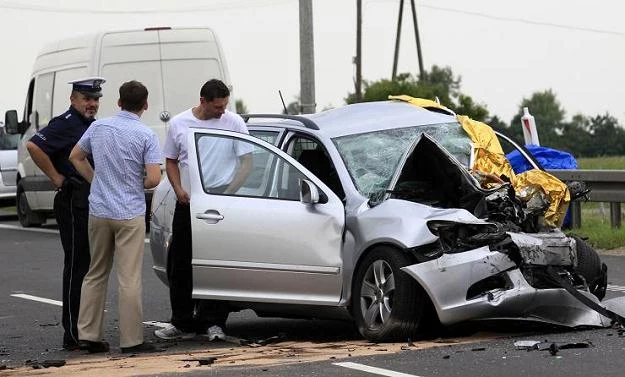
[283, 104]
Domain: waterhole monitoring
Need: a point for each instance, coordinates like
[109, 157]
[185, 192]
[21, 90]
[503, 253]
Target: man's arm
[244, 170]
[42, 160]
[173, 174]
[78, 158]
[152, 176]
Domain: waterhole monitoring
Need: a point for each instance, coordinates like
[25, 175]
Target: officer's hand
[58, 181]
[182, 196]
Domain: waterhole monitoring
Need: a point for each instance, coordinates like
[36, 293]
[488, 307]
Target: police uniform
[71, 205]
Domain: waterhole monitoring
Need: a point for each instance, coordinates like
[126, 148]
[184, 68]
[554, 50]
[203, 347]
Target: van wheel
[25, 215]
[388, 305]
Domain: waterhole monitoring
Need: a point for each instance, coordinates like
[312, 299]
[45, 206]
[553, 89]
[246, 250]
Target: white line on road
[39, 230]
[162, 325]
[616, 288]
[36, 230]
[374, 370]
[38, 299]
[59, 303]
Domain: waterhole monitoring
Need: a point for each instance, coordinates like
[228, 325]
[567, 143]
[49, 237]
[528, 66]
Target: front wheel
[590, 267]
[388, 305]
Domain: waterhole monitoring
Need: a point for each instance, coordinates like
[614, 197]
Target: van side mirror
[11, 124]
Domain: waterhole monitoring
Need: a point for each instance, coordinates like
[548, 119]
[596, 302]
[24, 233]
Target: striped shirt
[121, 146]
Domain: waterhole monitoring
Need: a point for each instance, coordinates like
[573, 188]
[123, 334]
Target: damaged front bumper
[496, 289]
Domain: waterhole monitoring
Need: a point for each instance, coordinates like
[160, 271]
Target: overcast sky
[503, 51]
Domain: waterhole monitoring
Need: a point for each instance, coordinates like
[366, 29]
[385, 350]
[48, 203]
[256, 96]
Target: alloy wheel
[376, 294]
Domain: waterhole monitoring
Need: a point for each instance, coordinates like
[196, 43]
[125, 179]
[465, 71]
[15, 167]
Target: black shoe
[72, 346]
[141, 348]
[94, 347]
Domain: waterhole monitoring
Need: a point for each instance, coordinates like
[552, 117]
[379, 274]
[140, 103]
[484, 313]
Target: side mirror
[11, 124]
[308, 192]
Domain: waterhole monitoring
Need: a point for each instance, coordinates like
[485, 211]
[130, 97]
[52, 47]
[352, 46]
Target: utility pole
[306, 58]
[397, 38]
[358, 57]
[416, 34]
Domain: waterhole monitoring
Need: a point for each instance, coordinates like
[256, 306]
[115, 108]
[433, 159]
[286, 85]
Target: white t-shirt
[219, 161]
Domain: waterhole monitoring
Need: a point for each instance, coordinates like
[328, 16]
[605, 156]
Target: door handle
[210, 215]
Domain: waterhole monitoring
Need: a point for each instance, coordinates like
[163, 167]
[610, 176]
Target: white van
[172, 63]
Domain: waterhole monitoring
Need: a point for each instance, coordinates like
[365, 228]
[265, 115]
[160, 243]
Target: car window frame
[192, 137]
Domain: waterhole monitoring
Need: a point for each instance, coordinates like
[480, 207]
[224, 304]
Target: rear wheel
[590, 267]
[388, 305]
[25, 215]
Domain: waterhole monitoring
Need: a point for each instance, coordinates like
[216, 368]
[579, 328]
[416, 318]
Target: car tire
[590, 267]
[387, 304]
[25, 215]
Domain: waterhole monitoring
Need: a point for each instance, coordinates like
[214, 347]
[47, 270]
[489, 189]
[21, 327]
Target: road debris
[552, 347]
[35, 364]
[202, 361]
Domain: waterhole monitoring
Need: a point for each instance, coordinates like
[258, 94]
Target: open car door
[263, 243]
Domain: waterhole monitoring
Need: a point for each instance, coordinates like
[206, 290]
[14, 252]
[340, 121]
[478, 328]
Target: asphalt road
[30, 281]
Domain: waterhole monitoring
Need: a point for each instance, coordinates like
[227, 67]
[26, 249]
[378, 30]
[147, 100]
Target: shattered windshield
[372, 158]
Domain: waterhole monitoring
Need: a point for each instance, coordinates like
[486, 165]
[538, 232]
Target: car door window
[313, 156]
[271, 176]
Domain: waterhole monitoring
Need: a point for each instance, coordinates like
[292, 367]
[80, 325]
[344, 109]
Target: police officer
[50, 149]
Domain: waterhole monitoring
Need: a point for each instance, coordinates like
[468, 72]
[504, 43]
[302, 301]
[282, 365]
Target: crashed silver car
[372, 212]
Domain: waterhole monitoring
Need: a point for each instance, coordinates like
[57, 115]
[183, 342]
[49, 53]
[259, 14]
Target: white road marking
[162, 325]
[36, 230]
[616, 288]
[39, 230]
[374, 370]
[59, 303]
[38, 299]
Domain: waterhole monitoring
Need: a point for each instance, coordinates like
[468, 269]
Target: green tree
[608, 136]
[437, 84]
[549, 117]
[240, 107]
[293, 108]
[576, 137]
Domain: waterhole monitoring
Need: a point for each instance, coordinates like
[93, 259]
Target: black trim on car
[306, 122]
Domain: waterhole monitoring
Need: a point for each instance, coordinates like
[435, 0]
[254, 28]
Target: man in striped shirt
[122, 148]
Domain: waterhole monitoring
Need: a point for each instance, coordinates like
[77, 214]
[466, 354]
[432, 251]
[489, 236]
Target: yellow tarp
[490, 158]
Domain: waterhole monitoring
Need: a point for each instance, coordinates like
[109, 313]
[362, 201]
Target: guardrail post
[615, 214]
[576, 214]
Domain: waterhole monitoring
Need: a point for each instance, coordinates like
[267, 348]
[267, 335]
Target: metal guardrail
[606, 186]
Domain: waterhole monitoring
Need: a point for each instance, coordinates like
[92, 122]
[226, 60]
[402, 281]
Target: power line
[232, 4]
[517, 19]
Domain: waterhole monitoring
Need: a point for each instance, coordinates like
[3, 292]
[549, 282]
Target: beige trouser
[126, 240]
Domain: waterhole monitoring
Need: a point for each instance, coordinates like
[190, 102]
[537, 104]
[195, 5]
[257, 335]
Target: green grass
[596, 216]
[596, 227]
[605, 163]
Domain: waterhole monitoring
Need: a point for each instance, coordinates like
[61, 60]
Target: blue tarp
[549, 159]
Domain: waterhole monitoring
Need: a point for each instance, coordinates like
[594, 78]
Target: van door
[132, 55]
[189, 58]
[34, 182]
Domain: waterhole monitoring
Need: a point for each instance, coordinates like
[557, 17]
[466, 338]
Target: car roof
[358, 118]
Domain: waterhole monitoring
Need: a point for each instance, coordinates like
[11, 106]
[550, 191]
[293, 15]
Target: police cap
[89, 86]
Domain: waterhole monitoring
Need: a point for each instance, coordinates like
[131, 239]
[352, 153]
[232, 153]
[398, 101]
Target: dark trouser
[71, 209]
[179, 274]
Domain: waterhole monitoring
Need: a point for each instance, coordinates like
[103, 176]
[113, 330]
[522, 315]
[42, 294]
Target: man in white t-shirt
[225, 169]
